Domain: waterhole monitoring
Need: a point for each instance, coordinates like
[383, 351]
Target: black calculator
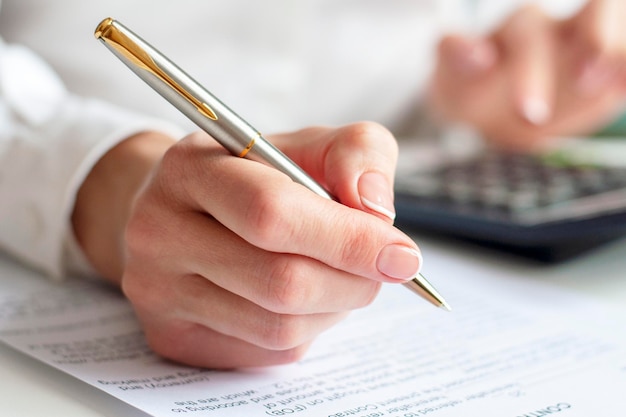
[532, 205]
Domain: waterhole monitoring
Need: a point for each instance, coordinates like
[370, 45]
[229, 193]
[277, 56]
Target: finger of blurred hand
[466, 56]
[466, 81]
[527, 43]
[270, 211]
[598, 35]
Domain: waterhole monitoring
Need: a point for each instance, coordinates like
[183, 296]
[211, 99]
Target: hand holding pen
[231, 263]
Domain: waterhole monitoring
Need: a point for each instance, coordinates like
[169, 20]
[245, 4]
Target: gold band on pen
[247, 148]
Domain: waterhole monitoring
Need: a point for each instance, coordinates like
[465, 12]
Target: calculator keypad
[521, 188]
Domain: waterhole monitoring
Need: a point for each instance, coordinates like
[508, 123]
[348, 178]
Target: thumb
[356, 163]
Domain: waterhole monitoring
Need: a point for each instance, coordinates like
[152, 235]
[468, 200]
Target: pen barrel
[198, 104]
[267, 153]
[236, 135]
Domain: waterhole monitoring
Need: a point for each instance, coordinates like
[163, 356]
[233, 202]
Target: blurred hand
[536, 77]
[229, 263]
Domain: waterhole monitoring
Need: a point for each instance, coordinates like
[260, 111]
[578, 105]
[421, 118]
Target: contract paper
[512, 347]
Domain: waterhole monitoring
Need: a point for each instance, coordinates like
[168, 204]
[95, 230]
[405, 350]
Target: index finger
[528, 50]
[597, 28]
[597, 33]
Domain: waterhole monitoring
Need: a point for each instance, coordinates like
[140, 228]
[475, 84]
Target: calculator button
[528, 188]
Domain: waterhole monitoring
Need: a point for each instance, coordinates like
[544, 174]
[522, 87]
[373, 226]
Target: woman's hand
[229, 263]
[536, 77]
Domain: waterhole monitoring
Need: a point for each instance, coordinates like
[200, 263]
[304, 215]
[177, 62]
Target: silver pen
[215, 118]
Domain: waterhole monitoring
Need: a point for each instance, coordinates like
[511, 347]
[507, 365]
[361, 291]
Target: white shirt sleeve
[49, 141]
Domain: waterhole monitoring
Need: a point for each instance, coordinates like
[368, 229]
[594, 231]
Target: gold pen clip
[107, 32]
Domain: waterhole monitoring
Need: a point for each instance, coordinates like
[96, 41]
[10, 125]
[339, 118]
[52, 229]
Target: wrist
[104, 200]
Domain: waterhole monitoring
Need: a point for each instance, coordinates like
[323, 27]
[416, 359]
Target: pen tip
[423, 288]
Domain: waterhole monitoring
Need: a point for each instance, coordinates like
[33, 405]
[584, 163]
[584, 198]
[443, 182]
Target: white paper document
[511, 347]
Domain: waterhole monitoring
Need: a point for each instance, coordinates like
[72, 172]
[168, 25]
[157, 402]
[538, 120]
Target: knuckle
[369, 137]
[356, 244]
[268, 225]
[138, 231]
[178, 170]
[363, 133]
[169, 340]
[175, 157]
[140, 289]
[282, 331]
[288, 289]
[144, 236]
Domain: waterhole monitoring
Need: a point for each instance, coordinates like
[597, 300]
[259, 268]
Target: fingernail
[399, 261]
[535, 110]
[376, 194]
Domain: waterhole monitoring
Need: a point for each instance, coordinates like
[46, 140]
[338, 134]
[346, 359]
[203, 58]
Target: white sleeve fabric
[49, 141]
